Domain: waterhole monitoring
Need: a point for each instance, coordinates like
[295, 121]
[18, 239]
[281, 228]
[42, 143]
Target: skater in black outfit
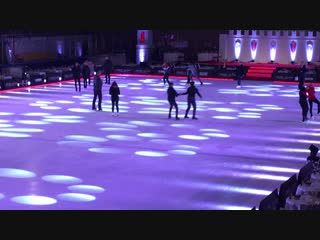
[192, 91]
[85, 74]
[97, 90]
[172, 94]
[114, 91]
[166, 69]
[302, 74]
[239, 75]
[107, 66]
[76, 71]
[303, 96]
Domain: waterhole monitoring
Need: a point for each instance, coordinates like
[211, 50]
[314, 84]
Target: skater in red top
[312, 98]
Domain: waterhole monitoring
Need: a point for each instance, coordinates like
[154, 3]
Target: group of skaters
[307, 96]
[193, 70]
[114, 90]
[84, 71]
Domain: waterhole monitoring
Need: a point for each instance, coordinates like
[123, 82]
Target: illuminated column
[293, 46]
[78, 49]
[253, 48]
[273, 50]
[144, 45]
[60, 47]
[309, 50]
[237, 48]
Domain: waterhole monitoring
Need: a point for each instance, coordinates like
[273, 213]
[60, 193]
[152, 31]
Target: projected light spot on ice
[16, 173]
[22, 130]
[76, 197]
[86, 188]
[34, 200]
[61, 179]
[151, 154]
[107, 150]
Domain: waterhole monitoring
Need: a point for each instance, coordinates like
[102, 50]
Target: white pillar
[144, 45]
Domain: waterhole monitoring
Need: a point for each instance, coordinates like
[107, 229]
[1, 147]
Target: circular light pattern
[1, 195]
[16, 173]
[34, 200]
[144, 123]
[250, 113]
[210, 130]
[31, 122]
[85, 138]
[38, 104]
[182, 152]
[187, 147]
[14, 135]
[76, 197]
[238, 103]
[63, 179]
[35, 114]
[224, 117]
[248, 116]
[289, 95]
[117, 125]
[182, 125]
[6, 113]
[64, 120]
[152, 135]
[64, 101]
[151, 154]
[5, 126]
[255, 109]
[22, 129]
[260, 94]
[50, 107]
[144, 97]
[86, 103]
[223, 109]
[123, 138]
[81, 97]
[86, 188]
[106, 150]
[273, 108]
[193, 137]
[79, 110]
[135, 88]
[219, 135]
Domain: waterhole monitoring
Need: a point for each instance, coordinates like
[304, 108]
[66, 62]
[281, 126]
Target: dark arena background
[248, 149]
